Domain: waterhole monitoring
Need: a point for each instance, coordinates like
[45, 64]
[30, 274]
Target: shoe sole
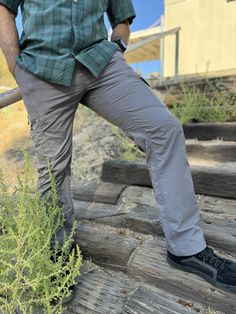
[227, 288]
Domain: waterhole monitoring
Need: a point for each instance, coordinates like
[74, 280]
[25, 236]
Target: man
[63, 58]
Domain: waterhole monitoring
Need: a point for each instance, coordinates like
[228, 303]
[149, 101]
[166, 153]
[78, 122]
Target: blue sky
[146, 16]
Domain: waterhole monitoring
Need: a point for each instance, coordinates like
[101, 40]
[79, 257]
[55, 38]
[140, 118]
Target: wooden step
[144, 197]
[219, 151]
[107, 246]
[101, 291]
[97, 292]
[138, 211]
[106, 192]
[149, 301]
[149, 264]
[210, 131]
[218, 180]
[142, 257]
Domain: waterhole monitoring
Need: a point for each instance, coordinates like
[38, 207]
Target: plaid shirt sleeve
[11, 4]
[120, 10]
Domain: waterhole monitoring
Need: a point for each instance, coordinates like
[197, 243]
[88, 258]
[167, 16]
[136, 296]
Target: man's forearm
[9, 39]
[121, 30]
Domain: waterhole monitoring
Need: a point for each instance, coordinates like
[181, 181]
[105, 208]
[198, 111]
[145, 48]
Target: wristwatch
[120, 42]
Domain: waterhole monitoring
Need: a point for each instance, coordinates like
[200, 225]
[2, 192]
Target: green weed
[208, 105]
[30, 274]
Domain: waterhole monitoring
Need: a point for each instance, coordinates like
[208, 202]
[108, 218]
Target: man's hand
[121, 31]
[9, 39]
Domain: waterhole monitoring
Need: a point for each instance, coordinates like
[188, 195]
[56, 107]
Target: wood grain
[101, 193]
[146, 301]
[105, 245]
[215, 181]
[98, 292]
[217, 151]
[211, 131]
[137, 211]
[149, 264]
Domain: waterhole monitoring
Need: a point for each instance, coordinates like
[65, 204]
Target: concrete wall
[207, 36]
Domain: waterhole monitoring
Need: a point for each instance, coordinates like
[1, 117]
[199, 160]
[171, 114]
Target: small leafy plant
[32, 273]
[211, 104]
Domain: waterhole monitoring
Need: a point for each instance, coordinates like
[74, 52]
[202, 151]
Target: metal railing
[175, 31]
[10, 97]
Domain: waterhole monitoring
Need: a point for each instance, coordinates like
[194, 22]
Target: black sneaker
[220, 272]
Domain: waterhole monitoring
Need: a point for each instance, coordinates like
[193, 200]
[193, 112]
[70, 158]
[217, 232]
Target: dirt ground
[14, 130]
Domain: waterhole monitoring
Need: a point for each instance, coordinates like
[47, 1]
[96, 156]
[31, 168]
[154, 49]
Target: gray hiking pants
[121, 97]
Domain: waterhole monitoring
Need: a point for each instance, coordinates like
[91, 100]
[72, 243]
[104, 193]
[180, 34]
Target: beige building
[195, 37]
[207, 37]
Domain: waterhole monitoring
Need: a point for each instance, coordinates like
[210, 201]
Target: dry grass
[13, 126]
[13, 119]
[14, 129]
[6, 78]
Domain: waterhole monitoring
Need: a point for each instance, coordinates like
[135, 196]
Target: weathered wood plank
[105, 245]
[101, 291]
[133, 212]
[218, 216]
[145, 301]
[91, 211]
[149, 264]
[207, 180]
[83, 192]
[219, 234]
[139, 195]
[125, 172]
[217, 150]
[217, 207]
[210, 206]
[214, 181]
[100, 193]
[211, 131]
[98, 293]
[141, 219]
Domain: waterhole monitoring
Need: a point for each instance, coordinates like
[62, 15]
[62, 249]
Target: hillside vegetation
[13, 123]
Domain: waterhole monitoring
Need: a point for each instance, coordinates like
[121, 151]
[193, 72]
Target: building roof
[145, 44]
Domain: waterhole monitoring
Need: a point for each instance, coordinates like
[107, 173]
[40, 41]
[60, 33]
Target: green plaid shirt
[56, 33]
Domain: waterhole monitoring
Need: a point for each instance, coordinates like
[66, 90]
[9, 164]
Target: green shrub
[29, 277]
[208, 105]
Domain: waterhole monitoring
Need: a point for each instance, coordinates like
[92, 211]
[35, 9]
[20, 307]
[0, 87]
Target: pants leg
[51, 109]
[123, 98]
